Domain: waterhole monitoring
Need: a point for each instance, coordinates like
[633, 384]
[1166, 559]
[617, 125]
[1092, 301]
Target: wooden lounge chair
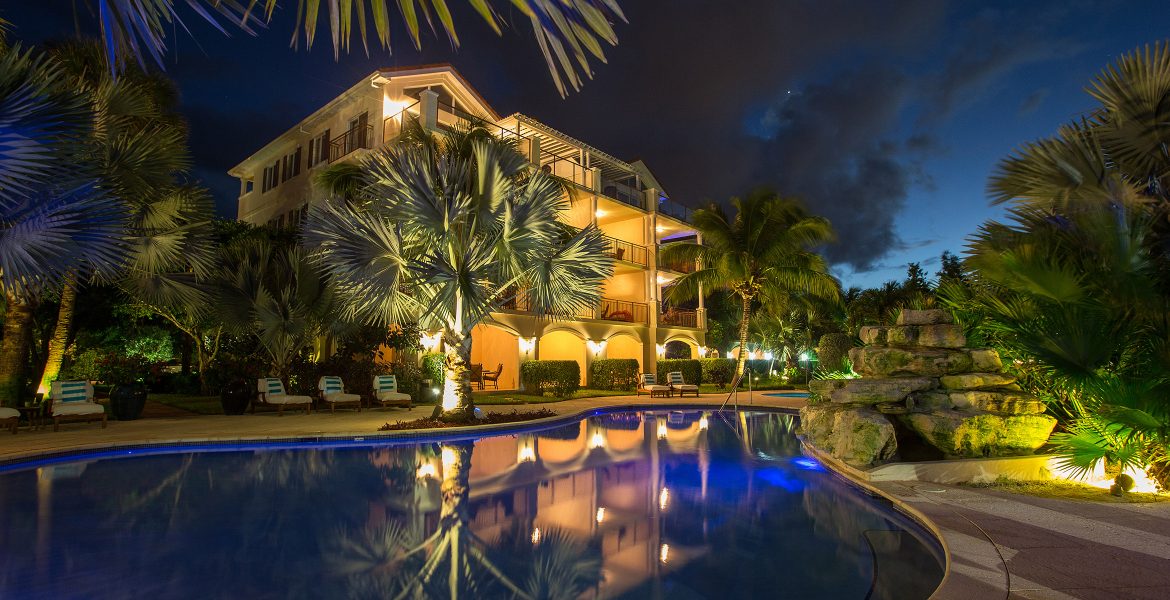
[649, 383]
[73, 401]
[10, 418]
[272, 393]
[675, 379]
[332, 391]
[386, 391]
[492, 377]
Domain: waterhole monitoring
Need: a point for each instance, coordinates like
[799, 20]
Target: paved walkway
[1001, 545]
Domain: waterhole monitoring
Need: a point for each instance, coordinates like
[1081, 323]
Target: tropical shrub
[718, 371]
[557, 377]
[614, 374]
[692, 369]
[833, 351]
[432, 367]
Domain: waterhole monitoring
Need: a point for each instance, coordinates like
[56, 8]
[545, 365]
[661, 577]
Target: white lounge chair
[10, 418]
[649, 383]
[73, 401]
[386, 391]
[333, 393]
[675, 379]
[272, 392]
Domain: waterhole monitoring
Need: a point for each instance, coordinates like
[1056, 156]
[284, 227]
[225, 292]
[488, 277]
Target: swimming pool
[668, 504]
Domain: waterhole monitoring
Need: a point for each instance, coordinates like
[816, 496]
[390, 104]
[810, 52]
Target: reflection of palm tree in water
[396, 561]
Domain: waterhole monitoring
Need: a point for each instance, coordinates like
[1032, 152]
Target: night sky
[886, 117]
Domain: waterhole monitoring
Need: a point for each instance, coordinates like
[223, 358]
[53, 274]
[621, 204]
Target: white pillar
[429, 109]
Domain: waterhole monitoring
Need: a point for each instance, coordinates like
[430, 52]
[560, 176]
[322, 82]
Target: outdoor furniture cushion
[675, 378]
[77, 408]
[332, 390]
[273, 390]
[386, 389]
[9, 413]
[71, 391]
[649, 382]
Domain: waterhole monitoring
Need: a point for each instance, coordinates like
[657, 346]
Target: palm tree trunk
[60, 339]
[13, 349]
[743, 336]
[457, 399]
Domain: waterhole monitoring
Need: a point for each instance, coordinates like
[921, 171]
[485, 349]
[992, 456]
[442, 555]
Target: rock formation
[920, 372]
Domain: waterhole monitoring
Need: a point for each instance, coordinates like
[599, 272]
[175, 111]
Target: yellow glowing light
[391, 108]
[526, 454]
[600, 514]
[595, 346]
[597, 441]
[450, 397]
[663, 498]
[426, 470]
[661, 280]
[659, 228]
[536, 536]
[448, 459]
[664, 553]
[527, 344]
[660, 349]
[730, 354]
[703, 423]
[600, 213]
[662, 431]
[430, 341]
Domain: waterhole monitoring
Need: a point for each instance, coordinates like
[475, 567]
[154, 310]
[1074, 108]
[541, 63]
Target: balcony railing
[608, 310]
[671, 208]
[623, 250]
[353, 139]
[678, 266]
[623, 193]
[678, 317]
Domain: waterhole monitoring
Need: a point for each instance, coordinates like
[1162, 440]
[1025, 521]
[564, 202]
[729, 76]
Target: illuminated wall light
[595, 346]
[598, 440]
[730, 354]
[526, 451]
[664, 498]
[600, 213]
[430, 341]
[659, 228]
[660, 349]
[662, 430]
[703, 424]
[767, 356]
[662, 280]
[664, 553]
[600, 514]
[536, 536]
[426, 470]
[527, 344]
[391, 108]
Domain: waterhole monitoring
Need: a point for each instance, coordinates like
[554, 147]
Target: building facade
[622, 198]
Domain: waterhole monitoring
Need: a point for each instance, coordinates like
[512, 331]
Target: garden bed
[489, 418]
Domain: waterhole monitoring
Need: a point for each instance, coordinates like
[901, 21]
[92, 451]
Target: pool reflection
[631, 504]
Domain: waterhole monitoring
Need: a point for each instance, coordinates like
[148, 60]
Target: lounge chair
[492, 377]
[272, 393]
[649, 383]
[73, 401]
[386, 391]
[675, 379]
[333, 393]
[10, 418]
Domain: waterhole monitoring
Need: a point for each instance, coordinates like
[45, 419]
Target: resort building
[623, 198]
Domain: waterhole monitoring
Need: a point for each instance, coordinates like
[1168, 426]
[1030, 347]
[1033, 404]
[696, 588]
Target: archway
[493, 347]
[563, 345]
[678, 349]
[624, 346]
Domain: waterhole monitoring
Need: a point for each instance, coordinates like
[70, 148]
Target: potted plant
[235, 396]
[127, 394]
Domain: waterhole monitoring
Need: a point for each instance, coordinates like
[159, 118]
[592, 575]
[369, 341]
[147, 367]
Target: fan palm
[445, 231]
[568, 33]
[55, 219]
[763, 255]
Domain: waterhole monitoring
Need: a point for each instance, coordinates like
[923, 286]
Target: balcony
[620, 310]
[629, 252]
[346, 143]
[670, 208]
[623, 193]
[678, 317]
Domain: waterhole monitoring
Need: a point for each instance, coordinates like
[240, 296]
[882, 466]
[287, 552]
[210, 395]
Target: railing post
[534, 149]
[428, 109]
[595, 175]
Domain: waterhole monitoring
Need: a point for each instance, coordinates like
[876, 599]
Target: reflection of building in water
[601, 481]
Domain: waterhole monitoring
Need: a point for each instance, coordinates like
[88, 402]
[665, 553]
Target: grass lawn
[485, 398]
[1068, 490]
[204, 405]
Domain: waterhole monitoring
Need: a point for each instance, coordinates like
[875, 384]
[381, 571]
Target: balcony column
[428, 102]
[595, 176]
[650, 344]
[701, 311]
[534, 150]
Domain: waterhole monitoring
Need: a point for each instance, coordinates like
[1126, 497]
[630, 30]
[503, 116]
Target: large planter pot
[126, 401]
[235, 397]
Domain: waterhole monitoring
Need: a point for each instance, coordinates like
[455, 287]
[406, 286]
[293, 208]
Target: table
[34, 414]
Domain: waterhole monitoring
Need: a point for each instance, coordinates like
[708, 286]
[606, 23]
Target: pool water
[672, 504]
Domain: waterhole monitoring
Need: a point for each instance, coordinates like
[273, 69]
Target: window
[271, 177]
[290, 165]
[319, 149]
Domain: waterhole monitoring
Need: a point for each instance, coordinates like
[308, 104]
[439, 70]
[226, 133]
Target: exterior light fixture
[391, 108]
[595, 346]
[661, 349]
[703, 424]
[600, 514]
[662, 430]
[527, 344]
[659, 229]
[430, 341]
[526, 452]
[600, 213]
[598, 440]
[661, 280]
[536, 535]
[664, 553]
[664, 498]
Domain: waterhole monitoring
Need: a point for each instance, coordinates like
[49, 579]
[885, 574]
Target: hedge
[833, 350]
[692, 369]
[719, 371]
[432, 367]
[614, 374]
[560, 377]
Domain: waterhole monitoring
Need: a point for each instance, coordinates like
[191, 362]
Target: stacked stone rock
[920, 372]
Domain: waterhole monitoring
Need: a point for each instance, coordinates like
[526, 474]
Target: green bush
[614, 374]
[432, 366]
[762, 367]
[833, 350]
[692, 369]
[559, 377]
[719, 371]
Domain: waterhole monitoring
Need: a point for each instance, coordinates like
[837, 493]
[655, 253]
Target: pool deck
[1000, 545]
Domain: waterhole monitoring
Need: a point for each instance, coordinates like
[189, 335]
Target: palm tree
[567, 33]
[137, 146]
[763, 255]
[444, 231]
[55, 220]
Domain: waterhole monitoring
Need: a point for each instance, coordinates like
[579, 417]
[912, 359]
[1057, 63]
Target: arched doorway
[563, 345]
[624, 346]
[493, 347]
[678, 349]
